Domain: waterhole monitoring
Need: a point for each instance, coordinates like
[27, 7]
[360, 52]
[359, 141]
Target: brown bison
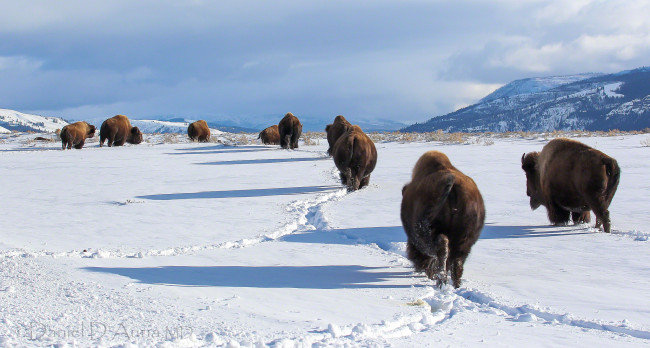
[75, 134]
[335, 130]
[118, 130]
[289, 129]
[270, 135]
[442, 214]
[570, 178]
[199, 131]
[355, 156]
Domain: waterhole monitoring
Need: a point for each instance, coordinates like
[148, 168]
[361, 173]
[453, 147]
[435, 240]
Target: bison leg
[437, 270]
[119, 142]
[581, 218]
[344, 179]
[365, 181]
[558, 215]
[599, 207]
[80, 145]
[420, 261]
[456, 267]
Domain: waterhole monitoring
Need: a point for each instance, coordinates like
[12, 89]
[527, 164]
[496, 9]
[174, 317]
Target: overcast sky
[253, 61]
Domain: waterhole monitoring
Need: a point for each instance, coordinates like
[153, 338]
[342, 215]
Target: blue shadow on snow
[240, 193]
[265, 160]
[300, 277]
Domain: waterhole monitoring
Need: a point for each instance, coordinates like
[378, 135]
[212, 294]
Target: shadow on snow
[301, 277]
[266, 160]
[498, 232]
[240, 193]
[386, 236]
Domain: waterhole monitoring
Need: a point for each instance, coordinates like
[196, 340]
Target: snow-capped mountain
[13, 120]
[586, 101]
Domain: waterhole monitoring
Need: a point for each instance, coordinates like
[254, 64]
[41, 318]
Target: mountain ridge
[597, 102]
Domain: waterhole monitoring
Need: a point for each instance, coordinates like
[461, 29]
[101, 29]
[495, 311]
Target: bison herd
[442, 209]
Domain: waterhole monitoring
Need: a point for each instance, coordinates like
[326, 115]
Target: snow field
[212, 245]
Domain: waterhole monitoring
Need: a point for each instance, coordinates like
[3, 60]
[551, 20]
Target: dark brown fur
[117, 130]
[270, 135]
[199, 131]
[355, 156]
[442, 214]
[335, 130]
[570, 179]
[290, 129]
[75, 134]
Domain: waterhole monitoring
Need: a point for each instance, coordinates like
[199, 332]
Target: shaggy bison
[570, 178]
[442, 214]
[355, 156]
[118, 130]
[75, 134]
[335, 130]
[199, 131]
[289, 129]
[270, 135]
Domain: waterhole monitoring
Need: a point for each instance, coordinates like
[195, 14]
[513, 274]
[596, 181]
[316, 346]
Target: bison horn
[522, 157]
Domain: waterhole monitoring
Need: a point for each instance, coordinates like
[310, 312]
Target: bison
[289, 129]
[76, 134]
[443, 214]
[118, 130]
[335, 130]
[199, 131]
[571, 179]
[355, 156]
[270, 135]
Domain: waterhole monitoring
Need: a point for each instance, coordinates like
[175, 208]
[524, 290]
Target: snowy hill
[588, 101]
[534, 85]
[18, 121]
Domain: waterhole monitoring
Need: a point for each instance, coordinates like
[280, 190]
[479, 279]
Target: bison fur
[443, 214]
[117, 130]
[571, 179]
[289, 129]
[355, 156]
[199, 131]
[75, 135]
[335, 130]
[270, 135]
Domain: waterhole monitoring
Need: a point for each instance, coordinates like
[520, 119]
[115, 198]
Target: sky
[250, 62]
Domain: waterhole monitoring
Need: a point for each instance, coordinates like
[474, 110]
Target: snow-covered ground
[210, 245]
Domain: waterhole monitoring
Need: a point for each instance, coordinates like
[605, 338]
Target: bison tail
[613, 175]
[422, 238]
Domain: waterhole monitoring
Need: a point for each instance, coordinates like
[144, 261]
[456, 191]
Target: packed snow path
[205, 244]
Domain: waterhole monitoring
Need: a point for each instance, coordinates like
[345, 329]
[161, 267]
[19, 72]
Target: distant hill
[576, 102]
[11, 120]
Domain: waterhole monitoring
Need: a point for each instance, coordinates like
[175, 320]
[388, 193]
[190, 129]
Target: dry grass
[171, 138]
[645, 142]
[487, 138]
[312, 138]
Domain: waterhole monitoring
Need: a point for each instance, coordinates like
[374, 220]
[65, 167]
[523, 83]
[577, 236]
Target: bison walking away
[290, 129]
[355, 156]
[270, 135]
[117, 130]
[443, 214]
[570, 179]
[335, 130]
[199, 131]
[76, 134]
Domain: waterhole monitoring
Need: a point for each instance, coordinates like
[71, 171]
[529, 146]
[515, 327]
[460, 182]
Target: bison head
[533, 190]
[136, 136]
[91, 131]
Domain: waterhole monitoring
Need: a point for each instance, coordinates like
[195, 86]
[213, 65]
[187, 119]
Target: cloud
[246, 61]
